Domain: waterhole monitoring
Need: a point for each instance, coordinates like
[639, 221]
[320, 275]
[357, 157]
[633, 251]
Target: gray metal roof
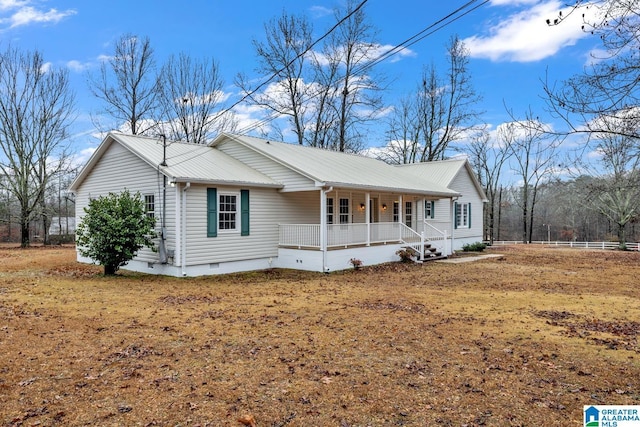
[184, 162]
[442, 172]
[340, 169]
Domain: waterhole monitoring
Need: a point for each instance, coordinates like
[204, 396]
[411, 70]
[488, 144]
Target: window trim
[429, 209]
[236, 212]
[462, 215]
[344, 217]
[150, 213]
[331, 210]
[408, 213]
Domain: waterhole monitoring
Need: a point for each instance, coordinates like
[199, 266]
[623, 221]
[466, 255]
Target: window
[408, 213]
[429, 209]
[330, 211]
[150, 205]
[462, 215]
[396, 212]
[228, 212]
[344, 211]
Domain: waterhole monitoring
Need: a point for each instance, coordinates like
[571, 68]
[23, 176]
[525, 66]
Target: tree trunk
[24, 232]
[621, 235]
[110, 270]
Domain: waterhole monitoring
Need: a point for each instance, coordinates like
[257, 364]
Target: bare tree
[489, 156]
[282, 56]
[446, 106]
[190, 95]
[442, 111]
[36, 107]
[402, 134]
[532, 149]
[323, 94]
[616, 193]
[357, 101]
[608, 90]
[127, 85]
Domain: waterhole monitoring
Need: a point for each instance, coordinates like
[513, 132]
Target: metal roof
[442, 172]
[340, 169]
[184, 162]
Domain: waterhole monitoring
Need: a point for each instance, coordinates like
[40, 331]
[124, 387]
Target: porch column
[323, 226]
[400, 215]
[452, 215]
[421, 211]
[367, 216]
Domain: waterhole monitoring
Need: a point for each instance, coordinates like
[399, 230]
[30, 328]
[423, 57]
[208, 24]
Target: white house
[243, 203]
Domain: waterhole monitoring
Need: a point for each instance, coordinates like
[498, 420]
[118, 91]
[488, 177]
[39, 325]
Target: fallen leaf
[247, 420]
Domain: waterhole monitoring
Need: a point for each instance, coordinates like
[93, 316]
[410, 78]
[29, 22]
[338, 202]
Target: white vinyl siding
[119, 169]
[292, 180]
[463, 184]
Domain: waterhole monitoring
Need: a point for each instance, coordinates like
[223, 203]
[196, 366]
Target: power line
[419, 36]
[276, 73]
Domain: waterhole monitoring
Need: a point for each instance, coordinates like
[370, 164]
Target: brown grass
[526, 340]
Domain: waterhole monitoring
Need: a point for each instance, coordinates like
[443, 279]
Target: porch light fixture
[384, 207]
[361, 206]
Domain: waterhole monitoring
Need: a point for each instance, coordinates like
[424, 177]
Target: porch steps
[430, 253]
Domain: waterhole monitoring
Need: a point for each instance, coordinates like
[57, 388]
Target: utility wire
[421, 35]
[276, 73]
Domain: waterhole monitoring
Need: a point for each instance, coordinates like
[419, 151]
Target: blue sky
[511, 46]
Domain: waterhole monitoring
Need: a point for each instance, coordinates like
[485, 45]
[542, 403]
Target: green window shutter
[212, 212]
[433, 209]
[455, 215]
[244, 212]
[469, 213]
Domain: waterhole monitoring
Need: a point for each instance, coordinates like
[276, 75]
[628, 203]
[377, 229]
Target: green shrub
[474, 247]
[113, 229]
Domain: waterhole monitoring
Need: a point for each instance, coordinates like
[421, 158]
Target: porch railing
[300, 235]
[437, 237]
[344, 235]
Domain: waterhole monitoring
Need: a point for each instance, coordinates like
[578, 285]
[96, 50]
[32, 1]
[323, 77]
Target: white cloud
[524, 36]
[320, 11]
[46, 67]
[17, 13]
[77, 66]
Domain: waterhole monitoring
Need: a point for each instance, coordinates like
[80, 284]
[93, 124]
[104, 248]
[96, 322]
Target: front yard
[524, 340]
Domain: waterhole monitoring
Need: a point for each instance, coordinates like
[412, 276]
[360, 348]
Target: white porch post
[422, 211]
[367, 216]
[452, 215]
[323, 226]
[400, 215]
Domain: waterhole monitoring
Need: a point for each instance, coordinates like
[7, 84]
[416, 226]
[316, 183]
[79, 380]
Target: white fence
[579, 245]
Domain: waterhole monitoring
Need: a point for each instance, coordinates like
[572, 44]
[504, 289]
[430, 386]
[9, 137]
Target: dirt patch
[494, 342]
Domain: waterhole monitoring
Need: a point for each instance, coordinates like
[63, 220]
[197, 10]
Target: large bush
[113, 229]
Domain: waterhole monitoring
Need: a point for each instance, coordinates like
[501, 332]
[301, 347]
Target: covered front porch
[370, 227]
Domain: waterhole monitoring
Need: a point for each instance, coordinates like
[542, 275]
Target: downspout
[323, 227]
[183, 243]
[162, 250]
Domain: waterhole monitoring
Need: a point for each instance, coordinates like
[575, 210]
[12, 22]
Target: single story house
[243, 203]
